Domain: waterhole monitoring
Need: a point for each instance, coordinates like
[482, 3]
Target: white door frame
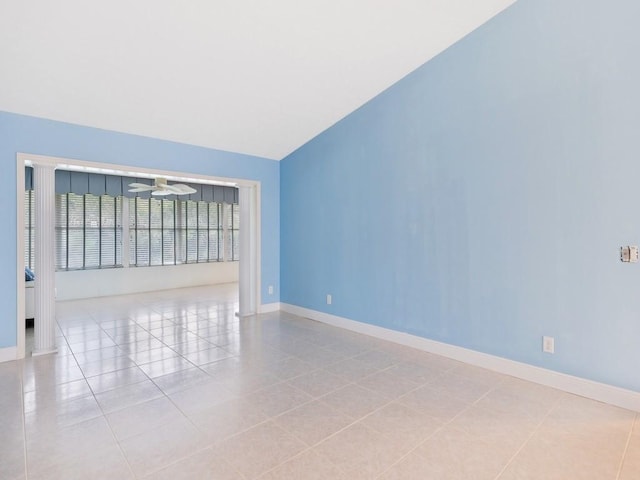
[249, 281]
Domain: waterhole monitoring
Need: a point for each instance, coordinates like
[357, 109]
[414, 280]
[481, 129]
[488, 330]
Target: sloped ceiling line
[246, 76]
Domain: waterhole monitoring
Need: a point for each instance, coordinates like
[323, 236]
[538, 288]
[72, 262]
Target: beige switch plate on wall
[629, 254]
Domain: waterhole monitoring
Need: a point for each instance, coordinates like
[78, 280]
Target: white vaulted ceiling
[250, 76]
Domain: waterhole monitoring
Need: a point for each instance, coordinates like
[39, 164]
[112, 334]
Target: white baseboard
[8, 354]
[270, 307]
[580, 386]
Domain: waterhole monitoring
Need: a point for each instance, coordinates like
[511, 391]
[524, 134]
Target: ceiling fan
[161, 187]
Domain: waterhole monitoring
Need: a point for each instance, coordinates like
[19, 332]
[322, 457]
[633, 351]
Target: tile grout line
[385, 432]
[308, 447]
[524, 443]
[196, 427]
[166, 396]
[282, 381]
[356, 421]
[626, 447]
[441, 427]
[155, 428]
[104, 415]
[113, 435]
[191, 422]
[431, 382]
[313, 399]
[22, 394]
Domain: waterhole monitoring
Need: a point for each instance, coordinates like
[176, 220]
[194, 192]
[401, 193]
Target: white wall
[120, 281]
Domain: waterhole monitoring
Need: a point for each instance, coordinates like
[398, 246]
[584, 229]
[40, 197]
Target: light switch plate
[629, 254]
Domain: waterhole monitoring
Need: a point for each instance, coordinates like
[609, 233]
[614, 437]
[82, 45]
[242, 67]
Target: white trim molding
[248, 294]
[20, 278]
[45, 282]
[8, 354]
[579, 386]
[270, 307]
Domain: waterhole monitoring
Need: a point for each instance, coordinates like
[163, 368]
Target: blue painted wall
[482, 200]
[38, 136]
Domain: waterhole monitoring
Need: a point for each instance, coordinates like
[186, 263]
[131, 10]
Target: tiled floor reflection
[171, 385]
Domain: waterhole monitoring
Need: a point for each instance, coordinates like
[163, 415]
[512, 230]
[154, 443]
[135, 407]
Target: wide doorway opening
[169, 242]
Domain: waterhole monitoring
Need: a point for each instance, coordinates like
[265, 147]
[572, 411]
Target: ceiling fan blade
[161, 191]
[140, 187]
[171, 189]
[160, 187]
[182, 189]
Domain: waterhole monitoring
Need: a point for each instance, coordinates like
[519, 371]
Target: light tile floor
[171, 385]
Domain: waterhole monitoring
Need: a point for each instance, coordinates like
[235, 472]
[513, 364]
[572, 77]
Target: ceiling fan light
[161, 187]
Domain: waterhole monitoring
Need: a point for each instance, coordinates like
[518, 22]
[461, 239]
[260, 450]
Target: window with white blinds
[29, 223]
[171, 232]
[89, 230]
[232, 215]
